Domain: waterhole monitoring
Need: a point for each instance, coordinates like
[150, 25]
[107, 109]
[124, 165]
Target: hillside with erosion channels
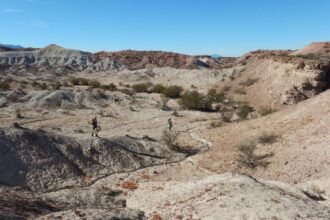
[249, 137]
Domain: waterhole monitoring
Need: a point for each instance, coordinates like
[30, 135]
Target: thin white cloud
[12, 10]
[39, 23]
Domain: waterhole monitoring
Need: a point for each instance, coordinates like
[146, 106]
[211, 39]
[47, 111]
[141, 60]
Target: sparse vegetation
[173, 92]
[95, 84]
[310, 56]
[109, 87]
[248, 157]
[226, 88]
[43, 86]
[18, 114]
[243, 111]
[266, 111]
[195, 101]
[216, 96]
[141, 87]
[4, 85]
[216, 124]
[57, 85]
[249, 82]
[159, 88]
[240, 90]
[267, 138]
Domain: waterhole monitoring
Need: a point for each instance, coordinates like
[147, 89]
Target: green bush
[159, 88]
[110, 87]
[4, 85]
[56, 85]
[84, 82]
[74, 81]
[141, 87]
[95, 84]
[195, 101]
[244, 111]
[173, 91]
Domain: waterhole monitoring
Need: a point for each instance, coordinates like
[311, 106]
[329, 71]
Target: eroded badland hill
[250, 136]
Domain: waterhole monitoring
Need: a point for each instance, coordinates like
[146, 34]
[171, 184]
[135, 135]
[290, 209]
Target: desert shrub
[195, 101]
[216, 124]
[110, 87]
[240, 90]
[243, 111]
[141, 87]
[43, 86]
[18, 113]
[226, 88]
[309, 56]
[94, 84]
[4, 85]
[248, 158]
[214, 96]
[159, 88]
[56, 85]
[249, 82]
[74, 81]
[267, 138]
[266, 110]
[84, 81]
[35, 84]
[173, 91]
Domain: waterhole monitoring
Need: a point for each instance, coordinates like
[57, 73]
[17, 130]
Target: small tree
[141, 87]
[195, 101]
[159, 88]
[173, 92]
[248, 158]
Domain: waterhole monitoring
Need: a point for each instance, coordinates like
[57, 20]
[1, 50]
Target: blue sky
[226, 27]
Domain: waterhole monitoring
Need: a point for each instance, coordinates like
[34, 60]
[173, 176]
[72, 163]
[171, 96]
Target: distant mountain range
[11, 46]
[215, 56]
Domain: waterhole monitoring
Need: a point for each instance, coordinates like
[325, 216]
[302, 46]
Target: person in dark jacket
[95, 127]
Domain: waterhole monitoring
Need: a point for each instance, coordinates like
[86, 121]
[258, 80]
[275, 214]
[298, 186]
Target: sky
[224, 27]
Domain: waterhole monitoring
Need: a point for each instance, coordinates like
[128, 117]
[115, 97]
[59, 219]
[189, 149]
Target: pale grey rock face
[54, 55]
[25, 153]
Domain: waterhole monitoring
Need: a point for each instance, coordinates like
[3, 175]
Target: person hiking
[95, 127]
[169, 124]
